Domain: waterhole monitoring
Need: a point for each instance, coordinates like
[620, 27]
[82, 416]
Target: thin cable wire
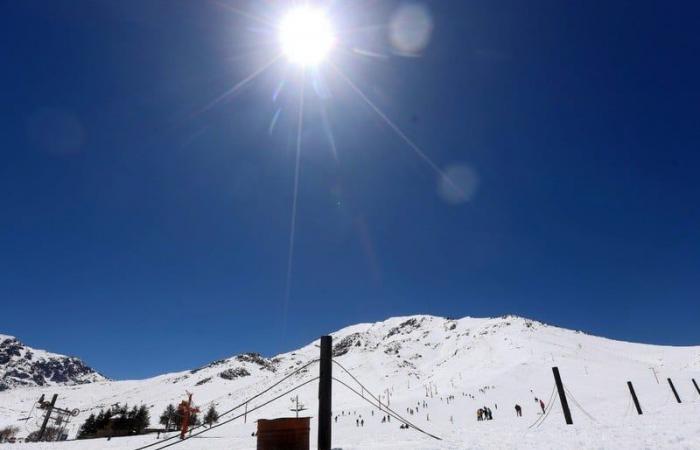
[386, 407]
[29, 416]
[240, 405]
[391, 413]
[627, 409]
[549, 407]
[240, 415]
[579, 405]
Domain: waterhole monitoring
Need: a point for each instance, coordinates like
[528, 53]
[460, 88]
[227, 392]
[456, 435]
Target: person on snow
[518, 411]
[542, 405]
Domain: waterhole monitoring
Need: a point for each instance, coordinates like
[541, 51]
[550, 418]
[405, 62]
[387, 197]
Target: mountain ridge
[24, 366]
[408, 360]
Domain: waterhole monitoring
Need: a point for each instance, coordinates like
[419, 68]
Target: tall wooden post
[634, 397]
[47, 416]
[325, 384]
[562, 396]
[673, 388]
[696, 386]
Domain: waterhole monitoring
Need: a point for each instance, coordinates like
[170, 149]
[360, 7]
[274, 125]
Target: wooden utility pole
[634, 398]
[562, 396]
[673, 388]
[325, 386]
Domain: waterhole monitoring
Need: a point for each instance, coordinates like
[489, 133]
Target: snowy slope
[408, 360]
[21, 365]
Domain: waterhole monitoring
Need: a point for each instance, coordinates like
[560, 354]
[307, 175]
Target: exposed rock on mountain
[22, 366]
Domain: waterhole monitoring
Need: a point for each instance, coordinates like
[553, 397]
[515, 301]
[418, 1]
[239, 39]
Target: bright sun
[306, 36]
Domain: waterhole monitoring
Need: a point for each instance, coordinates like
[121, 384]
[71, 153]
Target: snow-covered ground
[410, 360]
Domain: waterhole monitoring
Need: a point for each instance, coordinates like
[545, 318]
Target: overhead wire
[390, 412]
[238, 416]
[242, 404]
[544, 415]
[380, 406]
[578, 405]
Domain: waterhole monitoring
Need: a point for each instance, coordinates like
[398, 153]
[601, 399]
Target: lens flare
[306, 36]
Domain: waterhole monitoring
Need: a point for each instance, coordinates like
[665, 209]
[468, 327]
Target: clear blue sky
[146, 233]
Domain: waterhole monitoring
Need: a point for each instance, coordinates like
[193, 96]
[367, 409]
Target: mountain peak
[24, 366]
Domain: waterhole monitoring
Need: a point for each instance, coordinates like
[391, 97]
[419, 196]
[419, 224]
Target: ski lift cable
[578, 405]
[236, 417]
[548, 410]
[627, 409]
[549, 406]
[240, 405]
[388, 409]
[546, 415]
[29, 416]
[391, 413]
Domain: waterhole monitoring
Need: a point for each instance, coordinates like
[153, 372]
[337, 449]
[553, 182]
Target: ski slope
[495, 362]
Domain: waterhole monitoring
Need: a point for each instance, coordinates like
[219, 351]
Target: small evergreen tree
[167, 419]
[142, 419]
[88, 428]
[122, 418]
[101, 420]
[211, 417]
[194, 420]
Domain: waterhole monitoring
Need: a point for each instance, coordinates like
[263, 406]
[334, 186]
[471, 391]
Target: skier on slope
[518, 410]
[542, 405]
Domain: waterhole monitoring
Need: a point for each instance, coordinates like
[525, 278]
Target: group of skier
[484, 414]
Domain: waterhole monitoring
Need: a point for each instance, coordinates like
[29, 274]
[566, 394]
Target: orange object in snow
[185, 410]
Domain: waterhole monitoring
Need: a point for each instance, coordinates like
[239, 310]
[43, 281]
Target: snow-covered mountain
[22, 366]
[474, 362]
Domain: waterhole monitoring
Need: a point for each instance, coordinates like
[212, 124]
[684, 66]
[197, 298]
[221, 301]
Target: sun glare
[306, 36]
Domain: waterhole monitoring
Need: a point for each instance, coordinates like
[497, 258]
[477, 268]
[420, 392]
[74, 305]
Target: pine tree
[88, 428]
[194, 420]
[122, 421]
[168, 418]
[212, 416]
[101, 420]
[141, 420]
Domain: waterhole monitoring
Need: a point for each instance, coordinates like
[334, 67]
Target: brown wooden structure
[283, 434]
